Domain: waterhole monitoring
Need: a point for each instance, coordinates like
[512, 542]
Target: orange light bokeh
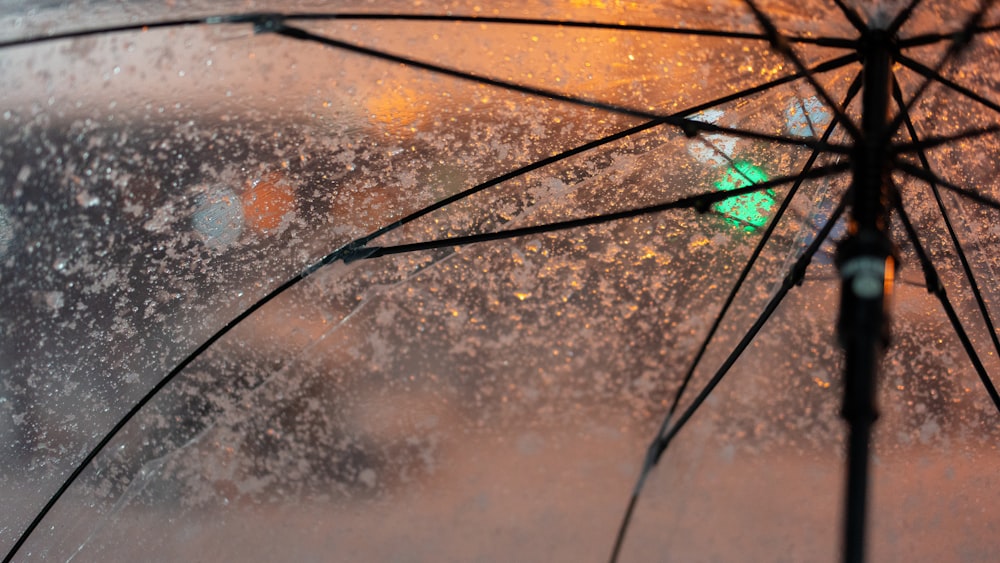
[267, 201]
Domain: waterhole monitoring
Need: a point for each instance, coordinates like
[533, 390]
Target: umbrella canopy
[249, 309]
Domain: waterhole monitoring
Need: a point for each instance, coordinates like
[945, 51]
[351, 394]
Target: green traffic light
[749, 210]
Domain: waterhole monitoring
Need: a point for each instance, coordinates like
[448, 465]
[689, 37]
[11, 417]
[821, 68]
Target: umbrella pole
[865, 260]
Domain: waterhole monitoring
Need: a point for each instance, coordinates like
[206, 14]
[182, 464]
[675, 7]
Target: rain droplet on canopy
[6, 231]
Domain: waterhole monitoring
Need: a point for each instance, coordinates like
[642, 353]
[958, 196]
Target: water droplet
[85, 199]
[6, 231]
[367, 476]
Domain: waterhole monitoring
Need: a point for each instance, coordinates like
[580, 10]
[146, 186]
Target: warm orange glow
[398, 107]
[267, 201]
[889, 278]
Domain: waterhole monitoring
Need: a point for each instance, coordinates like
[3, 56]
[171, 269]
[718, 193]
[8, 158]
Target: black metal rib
[932, 178]
[932, 141]
[104, 31]
[836, 42]
[689, 126]
[701, 202]
[663, 440]
[256, 18]
[139, 406]
[902, 17]
[852, 16]
[696, 361]
[780, 44]
[930, 38]
[275, 23]
[729, 160]
[805, 114]
[959, 43]
[825, 66]
[935, 287]
[852, 91]
[280, 28]
[794, 277]
[928, 72]
[956, 243]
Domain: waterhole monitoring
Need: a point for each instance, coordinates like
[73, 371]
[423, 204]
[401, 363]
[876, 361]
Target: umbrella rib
[304, 35]
[902, 17]
[966, 266]
[689, 126]
[805, 114]
[932, 178]
[960, 41]
[828, 65]
[256, 18]
[930, 38]
[932, 141]
[663, 440]
[734, 166]
[700, 202]
[139, 406]
[851, 93]
[825, 66]
[717, 322]
[929, 73]
[935, 287]
[852, 16]
[840, 42]
[780, 44]
[729, 160]
[330, 258]
[144, 26]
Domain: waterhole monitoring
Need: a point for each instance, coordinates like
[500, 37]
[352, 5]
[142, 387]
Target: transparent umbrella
[409, 281]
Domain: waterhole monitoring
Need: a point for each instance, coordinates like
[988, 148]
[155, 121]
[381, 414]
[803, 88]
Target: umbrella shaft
[864, 334]
[855, 514]
[866, 261]
[869, 201]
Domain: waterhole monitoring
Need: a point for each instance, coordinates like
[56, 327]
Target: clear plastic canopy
[204, 356]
